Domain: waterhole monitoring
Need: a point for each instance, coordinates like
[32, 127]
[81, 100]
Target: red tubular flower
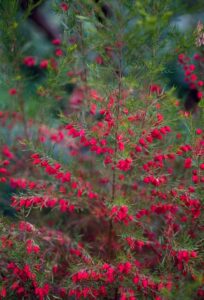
[12, 92]
[196, 56]
[7, 152]
[202, 166]
[56, 42]
[144, 283]
[181, 58]
[99, 60]
[188, 163]
[3, 292]
[59, 52]
[64, 6]
[155, 88]
[44, 64]
[192, 67]
[200, 95]
[193, 77]
[124, 164]
[29, 61]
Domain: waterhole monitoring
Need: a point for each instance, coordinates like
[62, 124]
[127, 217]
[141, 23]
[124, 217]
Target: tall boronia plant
[109, 200]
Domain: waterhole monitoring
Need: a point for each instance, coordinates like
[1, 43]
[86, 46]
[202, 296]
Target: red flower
[56, 42]
[124, 164]
[196, 56]
[181, 58]
[155, 88]
[202, 166]
[145, 283]
[188, 163]
[99, 60]
[44, 63]
[3, 292]
[29, 61]
[64, 6]
[192, 67]
[12, 91]
[200, 95]
[59, 52]
[193, 77]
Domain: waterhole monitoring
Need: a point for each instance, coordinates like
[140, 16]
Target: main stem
[84, 76]
[117, 115]
[22, 110]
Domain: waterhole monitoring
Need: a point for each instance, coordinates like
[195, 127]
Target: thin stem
[116, 294]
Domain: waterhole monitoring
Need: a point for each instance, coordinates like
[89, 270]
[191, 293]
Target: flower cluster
[194, 81]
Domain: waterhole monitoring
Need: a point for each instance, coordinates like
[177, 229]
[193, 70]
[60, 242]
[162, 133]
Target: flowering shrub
[108, 197]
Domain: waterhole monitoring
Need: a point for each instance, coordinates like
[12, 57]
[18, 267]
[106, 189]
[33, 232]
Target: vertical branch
[117, 117]
[22, 110]
[84, 74]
